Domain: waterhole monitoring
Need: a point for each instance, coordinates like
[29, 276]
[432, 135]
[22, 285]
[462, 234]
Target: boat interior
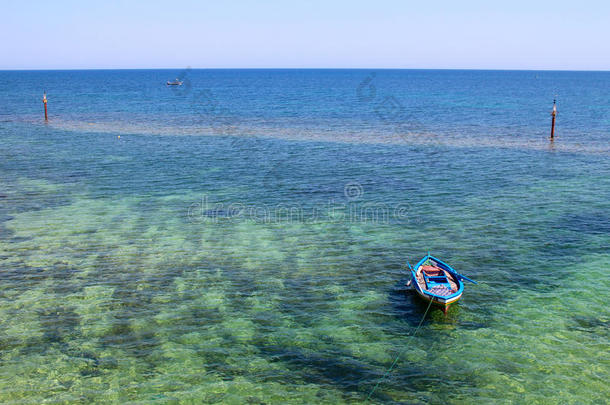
[436, 280]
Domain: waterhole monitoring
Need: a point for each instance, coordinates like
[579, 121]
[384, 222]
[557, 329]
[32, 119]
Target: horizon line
[307, 68]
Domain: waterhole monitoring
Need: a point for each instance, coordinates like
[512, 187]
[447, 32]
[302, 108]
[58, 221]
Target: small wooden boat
[174, 83]
[436, 281]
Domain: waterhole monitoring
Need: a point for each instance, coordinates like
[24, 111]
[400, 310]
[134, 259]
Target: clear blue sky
[512, 34]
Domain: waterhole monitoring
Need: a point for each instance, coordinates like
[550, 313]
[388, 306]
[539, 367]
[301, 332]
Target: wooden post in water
[44, 101]
[553, 114]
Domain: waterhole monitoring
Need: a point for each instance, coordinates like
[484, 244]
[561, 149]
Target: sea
[245, 237]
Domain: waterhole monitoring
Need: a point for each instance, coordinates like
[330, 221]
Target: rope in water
[399, 354]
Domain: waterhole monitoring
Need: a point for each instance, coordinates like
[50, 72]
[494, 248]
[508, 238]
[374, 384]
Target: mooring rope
[399, 354]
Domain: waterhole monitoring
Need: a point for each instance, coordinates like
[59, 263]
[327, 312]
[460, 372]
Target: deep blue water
[492, 103]
[242, 238]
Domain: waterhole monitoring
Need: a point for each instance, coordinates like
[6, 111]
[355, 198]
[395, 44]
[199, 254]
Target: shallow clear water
[245, 238]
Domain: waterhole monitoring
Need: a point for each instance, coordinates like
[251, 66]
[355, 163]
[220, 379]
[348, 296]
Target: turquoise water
[243, 238]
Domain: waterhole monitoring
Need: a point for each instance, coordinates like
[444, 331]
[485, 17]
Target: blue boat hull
[453, 283]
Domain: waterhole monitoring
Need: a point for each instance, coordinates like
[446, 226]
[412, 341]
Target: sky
[437, 34]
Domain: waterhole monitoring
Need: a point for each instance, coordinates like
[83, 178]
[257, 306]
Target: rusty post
[553, 114]
[44, 101]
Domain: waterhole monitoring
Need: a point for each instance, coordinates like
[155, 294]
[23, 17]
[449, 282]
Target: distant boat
[174, 83]
[436, 281]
